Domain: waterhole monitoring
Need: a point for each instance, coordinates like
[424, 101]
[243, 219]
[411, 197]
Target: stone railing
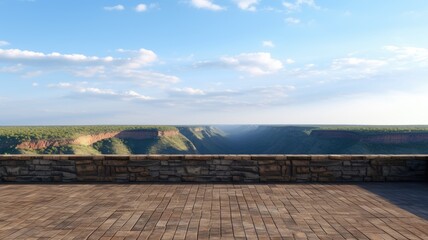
[213, 168]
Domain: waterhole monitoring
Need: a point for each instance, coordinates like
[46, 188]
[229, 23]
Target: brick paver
[191, 211]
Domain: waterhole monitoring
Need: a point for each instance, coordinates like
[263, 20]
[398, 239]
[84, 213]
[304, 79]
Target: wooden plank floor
[214, 211]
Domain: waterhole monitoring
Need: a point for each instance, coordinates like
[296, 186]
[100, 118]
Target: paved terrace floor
[190, 211]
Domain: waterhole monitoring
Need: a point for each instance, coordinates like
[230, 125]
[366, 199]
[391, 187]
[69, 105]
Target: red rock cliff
[91, 139]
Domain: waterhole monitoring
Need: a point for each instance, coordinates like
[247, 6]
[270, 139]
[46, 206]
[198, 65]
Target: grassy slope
[12, 136]
[207, 140]
[26, 133]
[111, 146]
[166, 145]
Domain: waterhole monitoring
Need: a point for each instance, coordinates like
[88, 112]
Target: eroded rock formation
[87, 140]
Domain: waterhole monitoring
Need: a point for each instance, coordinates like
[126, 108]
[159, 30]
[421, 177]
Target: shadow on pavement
[412, 197]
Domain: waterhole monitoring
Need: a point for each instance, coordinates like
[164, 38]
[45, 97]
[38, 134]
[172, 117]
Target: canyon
[87, 140]
[251, 139]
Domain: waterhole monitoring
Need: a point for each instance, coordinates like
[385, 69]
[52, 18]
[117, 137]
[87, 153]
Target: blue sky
[213, 62]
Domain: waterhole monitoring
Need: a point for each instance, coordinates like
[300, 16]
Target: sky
[213, 62]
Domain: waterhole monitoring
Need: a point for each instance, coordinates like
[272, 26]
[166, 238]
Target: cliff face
[397, 138]
[378, 138]
[91, 139]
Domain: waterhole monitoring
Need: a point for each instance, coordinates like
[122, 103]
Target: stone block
[42, 179]
[121, 169]
[260, 158]
[89, 179]
[167, 172]
[267, 162]
[360, 163]
[415, 165]
[399, 171]
[3, 172]
[245, 162]
[65, 163]
[108, 162]
[45, 162]
[300, 170]
[318, 169]
[299, 157]
[351, 172]
[222, 168]
[86, 170]
[325, 163]
[275, 178]
[253, 169]
[69, 175]
[194, 170]
[222, 162]
[43, 168]
[334, 174]
[83, 161]
[70, 169]
[121, 178]
[116, 157]
[9, 179]
[273, 170]
[24, 178]
[300, 162]
[13, 171]
[143, 163]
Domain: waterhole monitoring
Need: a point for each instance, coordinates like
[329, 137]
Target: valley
[217, 139]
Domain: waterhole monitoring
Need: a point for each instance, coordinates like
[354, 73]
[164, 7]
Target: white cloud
[291, 20]
[90, 71]
[413, 54]
[358, 66]
[268, 43]
[142, 58]
[133, 67]
[3, 43]
[188, 91]
[60, 85]
[141, 7]
[134, 95]
[254, 63]
[149, 78]
[35, 84]
[115, 8]
[259, 63]
[206, 4]
[98, 92]
[300, 3]
[247, 5]
[290, 61]
[23, 55]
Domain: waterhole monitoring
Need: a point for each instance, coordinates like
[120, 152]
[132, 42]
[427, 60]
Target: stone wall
[213, 168]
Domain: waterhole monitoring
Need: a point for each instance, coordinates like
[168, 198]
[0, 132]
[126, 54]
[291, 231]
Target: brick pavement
[191, 211]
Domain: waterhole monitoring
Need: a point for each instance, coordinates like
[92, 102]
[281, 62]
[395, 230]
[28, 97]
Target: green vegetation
[375, 129]
[163, 145]
[111, 146]
[27, 133]
[209, 140]
[212, 140]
